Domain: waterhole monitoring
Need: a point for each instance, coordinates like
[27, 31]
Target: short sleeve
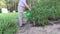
[24, 1]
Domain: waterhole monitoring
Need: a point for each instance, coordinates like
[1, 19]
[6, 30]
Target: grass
[8, 23]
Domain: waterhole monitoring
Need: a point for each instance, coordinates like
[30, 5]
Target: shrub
[41, 9]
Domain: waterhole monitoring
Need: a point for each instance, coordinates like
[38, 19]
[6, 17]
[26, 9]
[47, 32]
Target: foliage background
[9, 4]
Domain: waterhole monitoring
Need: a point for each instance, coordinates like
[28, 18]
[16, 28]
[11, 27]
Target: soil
[48, 29]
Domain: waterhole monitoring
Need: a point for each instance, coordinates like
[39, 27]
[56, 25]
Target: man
[21, 7]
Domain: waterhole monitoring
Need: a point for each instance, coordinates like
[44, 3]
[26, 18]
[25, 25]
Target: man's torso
[22, 3]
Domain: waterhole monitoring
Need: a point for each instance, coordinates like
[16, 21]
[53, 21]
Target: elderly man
[21, 7]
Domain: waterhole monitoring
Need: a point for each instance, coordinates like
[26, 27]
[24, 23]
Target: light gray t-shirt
[22, 3]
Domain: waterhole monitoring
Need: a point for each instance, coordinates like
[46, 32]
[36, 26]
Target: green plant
[7, 25]
[41, 9]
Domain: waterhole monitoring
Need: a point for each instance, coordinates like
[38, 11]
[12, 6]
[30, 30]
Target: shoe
[22, 25]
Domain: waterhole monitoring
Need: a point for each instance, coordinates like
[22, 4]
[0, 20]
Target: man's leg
[20, 15]
[20, 18]
[25, 20]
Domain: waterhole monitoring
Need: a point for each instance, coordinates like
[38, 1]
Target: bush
[41, 9]
[7, 25]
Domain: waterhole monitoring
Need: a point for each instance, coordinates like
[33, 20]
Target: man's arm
[27, 6]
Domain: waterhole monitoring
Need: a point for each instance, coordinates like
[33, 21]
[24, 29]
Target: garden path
[50, 29]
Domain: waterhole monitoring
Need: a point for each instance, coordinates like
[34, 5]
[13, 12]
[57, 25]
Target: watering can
[27, 14]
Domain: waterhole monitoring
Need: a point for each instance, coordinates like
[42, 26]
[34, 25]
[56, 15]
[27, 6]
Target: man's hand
[29, 9]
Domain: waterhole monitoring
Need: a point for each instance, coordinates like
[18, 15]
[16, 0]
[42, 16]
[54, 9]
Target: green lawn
[8, 23]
